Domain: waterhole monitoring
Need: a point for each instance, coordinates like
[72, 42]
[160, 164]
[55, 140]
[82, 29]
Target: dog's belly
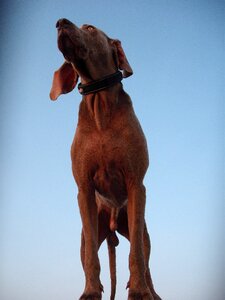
[110, 186]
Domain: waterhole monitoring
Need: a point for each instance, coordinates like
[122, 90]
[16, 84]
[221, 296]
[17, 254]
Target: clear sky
[177, 53]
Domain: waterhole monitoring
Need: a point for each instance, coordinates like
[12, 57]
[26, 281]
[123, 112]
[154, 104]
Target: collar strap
[101, 84]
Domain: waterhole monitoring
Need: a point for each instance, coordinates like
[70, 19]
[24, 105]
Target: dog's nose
[62, 22]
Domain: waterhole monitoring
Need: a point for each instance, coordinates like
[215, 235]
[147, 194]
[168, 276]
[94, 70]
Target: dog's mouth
[64, 41]
[71, 45]
[71, 42]
[65, 31]
[65, 45]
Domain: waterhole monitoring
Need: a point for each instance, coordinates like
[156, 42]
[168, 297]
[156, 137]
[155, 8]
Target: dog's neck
[101, 105]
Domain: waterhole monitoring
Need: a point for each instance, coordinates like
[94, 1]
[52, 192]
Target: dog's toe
[94, 296]
[139, 296]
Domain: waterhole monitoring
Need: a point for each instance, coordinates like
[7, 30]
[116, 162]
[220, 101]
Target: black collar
[101, 84]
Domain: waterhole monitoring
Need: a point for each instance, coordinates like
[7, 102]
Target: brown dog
[109, 156]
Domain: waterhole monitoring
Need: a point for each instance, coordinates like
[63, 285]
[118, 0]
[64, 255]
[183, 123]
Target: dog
[109, 156]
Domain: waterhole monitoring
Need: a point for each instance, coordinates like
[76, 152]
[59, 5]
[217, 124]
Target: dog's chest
[102, 155]
[110, 183]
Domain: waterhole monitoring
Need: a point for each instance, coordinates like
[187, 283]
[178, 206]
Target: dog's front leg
[138, 288]
[90, 261]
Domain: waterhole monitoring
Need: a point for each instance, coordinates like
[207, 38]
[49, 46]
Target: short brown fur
[109, 159]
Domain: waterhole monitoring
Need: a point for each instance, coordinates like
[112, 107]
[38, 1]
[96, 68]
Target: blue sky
[176, 49]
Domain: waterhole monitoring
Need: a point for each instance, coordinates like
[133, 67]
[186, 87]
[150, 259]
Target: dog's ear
[121, 59]
[64, 81]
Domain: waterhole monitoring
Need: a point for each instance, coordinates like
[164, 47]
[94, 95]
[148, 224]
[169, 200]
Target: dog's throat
[100, 109]
[101, 84]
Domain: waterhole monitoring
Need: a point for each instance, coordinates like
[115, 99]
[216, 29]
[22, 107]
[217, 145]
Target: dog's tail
[112, 242]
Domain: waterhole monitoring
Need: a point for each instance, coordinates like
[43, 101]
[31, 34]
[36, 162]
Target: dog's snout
[63, 22]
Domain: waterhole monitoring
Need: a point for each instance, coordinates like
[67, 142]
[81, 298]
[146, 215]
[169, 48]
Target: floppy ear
[122, 61]
[64, 81]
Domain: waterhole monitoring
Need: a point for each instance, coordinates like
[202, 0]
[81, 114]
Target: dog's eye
[90, 28]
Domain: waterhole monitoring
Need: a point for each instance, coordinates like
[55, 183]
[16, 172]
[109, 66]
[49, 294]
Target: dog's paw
[139, 296]
[93, 296]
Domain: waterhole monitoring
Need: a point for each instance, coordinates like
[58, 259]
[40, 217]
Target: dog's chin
[64, 43]
[71, 52]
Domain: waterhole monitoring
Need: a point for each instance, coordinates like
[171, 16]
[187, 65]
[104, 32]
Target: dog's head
[89, 53]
